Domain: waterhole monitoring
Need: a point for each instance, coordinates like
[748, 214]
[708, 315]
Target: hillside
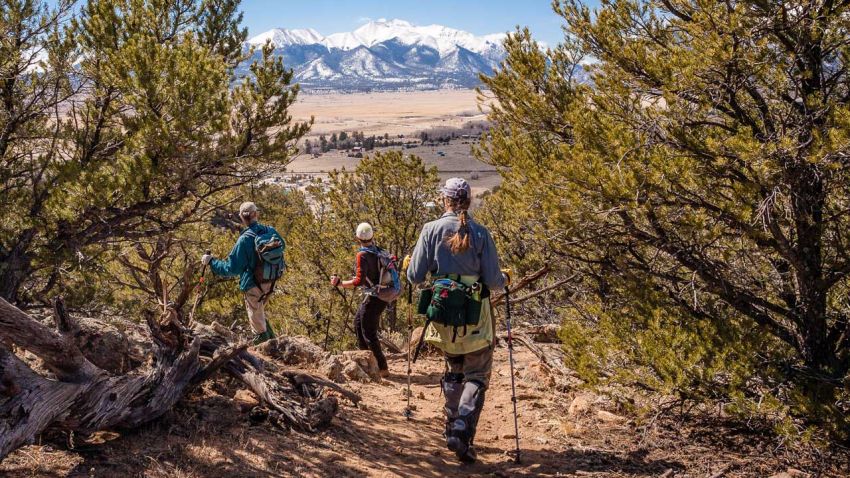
[571, 434]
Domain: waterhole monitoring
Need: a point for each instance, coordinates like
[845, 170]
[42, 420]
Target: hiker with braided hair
[460, 256]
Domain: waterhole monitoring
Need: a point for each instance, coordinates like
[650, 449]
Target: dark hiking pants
[366, 324]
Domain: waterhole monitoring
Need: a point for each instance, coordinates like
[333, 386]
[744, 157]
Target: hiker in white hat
[369, 274]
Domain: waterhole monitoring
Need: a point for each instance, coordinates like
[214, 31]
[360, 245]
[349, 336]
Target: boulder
[245, 400]
[354, 372]
[104, 345]
[547, 333]
[334, 366]
[609, 417]
[296, 350]
[366, 361]
[581, 404]
[415, 338]
[358, 365]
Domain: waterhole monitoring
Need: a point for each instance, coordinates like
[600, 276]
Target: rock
[293, 350]
[415, 338]
[245, 400]
[366, 361]
[334, 367]
[609, 417]
[541, 375]
[544, 333]
[323, 411]
[104, 345]
[581, 404]
[354, 372]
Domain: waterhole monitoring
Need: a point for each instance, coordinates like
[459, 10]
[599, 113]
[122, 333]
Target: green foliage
[122, 124]
[389, 190]
[698, 185]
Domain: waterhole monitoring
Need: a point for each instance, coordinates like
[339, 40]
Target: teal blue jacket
[242, 259]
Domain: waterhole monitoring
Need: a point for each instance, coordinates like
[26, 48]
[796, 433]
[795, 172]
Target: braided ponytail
[459, 242]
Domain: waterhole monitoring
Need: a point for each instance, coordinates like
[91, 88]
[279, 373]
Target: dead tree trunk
[75, 395]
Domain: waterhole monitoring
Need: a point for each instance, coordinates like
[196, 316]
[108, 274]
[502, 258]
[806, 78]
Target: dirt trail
[206, 436]
[391, 445]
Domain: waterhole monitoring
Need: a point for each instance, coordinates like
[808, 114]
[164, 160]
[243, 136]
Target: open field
[387, 112]
[396, 113]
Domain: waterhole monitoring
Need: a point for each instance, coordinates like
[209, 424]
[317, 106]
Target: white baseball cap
[364, 231]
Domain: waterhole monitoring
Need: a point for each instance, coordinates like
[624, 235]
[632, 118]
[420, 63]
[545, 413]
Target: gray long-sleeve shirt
[432, 253]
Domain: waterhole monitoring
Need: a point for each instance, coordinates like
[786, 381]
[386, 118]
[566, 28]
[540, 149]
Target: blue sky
[476, 16]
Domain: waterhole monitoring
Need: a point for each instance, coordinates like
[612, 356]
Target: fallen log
[73, 394]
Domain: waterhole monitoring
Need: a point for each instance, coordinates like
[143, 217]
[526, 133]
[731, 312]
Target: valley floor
[206, 436]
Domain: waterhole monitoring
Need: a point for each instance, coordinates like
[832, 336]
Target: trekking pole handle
[204, 268]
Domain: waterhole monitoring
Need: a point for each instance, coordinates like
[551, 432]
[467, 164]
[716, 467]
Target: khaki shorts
[256, 308]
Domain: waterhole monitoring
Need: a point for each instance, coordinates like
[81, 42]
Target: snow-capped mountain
[385, 55]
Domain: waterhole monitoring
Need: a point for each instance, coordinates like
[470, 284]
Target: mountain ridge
[384, 55]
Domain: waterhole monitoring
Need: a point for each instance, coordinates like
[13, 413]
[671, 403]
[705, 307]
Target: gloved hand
[405, 263]
[206, 258]
[335, 280]
[507, 273]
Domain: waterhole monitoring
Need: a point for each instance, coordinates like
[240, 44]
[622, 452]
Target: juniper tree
[699, 179]
[124, 122]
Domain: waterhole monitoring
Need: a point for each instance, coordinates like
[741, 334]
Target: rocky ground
[218, 432]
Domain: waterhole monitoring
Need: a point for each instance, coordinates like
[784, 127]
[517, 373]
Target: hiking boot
[458, 442]
[384, 373]
[263, 337]
[469, 456]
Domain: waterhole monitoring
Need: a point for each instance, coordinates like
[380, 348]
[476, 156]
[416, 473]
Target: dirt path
[206, 436]
[391, 445]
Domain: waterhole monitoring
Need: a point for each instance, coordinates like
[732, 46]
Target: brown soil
[206, 436]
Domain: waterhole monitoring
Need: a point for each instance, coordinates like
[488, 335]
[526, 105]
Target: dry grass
[391, 112]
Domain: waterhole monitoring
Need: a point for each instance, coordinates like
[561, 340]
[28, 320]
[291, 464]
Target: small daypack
[388, 287]
[269, 247]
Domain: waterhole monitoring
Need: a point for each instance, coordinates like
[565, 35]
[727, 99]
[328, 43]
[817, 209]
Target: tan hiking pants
[256, 308]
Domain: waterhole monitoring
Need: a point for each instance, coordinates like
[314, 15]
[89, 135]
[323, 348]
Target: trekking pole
[328, 325]
[198, 287]
[511, 361]
[408, 412]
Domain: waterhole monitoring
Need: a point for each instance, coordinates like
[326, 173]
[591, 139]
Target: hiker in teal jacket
[241, 262]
